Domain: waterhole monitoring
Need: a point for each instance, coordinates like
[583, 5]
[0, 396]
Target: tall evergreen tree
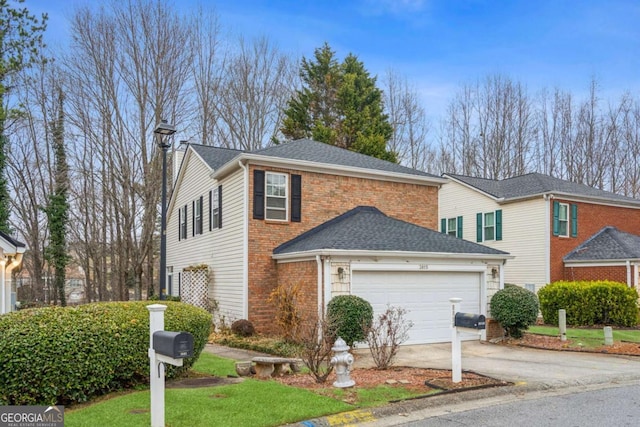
[20, 45]
[58, 207]
[339, 104]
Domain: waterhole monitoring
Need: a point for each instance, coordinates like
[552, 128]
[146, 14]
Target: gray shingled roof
[607, 244]
[215, 157]
[535, 184]
[11, 240]
[319, 152]
[366, 228]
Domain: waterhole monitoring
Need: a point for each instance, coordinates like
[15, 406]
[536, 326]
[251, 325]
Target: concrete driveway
[518, 364]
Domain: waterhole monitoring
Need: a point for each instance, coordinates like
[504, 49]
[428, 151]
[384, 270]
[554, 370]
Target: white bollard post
[456, 345]
[156, 323]
[608, 335]
[562, 323]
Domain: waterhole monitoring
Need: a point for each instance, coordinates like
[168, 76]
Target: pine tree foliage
[20, 46]
[340, 105]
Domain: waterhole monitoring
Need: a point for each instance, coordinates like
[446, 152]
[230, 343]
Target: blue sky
[440, 45]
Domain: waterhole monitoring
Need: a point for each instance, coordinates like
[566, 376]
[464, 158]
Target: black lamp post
[163, 130]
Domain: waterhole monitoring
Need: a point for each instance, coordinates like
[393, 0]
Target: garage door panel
[424, 294]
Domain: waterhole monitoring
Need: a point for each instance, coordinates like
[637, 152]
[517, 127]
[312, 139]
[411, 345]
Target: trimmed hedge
[63, 355]
[515, 308]
[350, 316]
[590, 303]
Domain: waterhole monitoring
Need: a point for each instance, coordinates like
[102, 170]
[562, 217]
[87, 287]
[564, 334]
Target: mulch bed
[547, 342]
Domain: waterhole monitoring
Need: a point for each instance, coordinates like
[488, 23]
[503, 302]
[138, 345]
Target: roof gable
[215, 157]
[607, 244]
[366, 228]
[537, 184]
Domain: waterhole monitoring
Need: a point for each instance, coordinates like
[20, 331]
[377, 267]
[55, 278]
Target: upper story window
[276, 194]
[451, 226]
[489, 226]
[565, 219]
[182, 221]
[197, 216]
[215, 208]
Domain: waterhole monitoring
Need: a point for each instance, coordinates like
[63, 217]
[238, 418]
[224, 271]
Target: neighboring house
[11, 252]
[328, 220]
[610, 254]
[538, 219]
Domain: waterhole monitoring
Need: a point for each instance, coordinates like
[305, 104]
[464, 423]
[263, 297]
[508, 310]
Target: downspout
[629, 273]
[319, 267]
[245, 243]
[17, 260]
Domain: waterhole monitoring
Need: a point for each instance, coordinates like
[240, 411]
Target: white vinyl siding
[221, 250]
[524, 230]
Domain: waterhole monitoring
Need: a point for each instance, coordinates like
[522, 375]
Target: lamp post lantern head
[164, 129]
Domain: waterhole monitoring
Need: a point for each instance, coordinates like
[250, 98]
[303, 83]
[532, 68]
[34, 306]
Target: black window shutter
[219, 206]
[258, 194]
[296, 198]
[179, 224]
[210, 213]
[200, 221]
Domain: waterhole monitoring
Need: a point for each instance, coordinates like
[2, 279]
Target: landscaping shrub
[352, 316]
[243, 327]
[515, 308]
[63, 355]
[590, 303]
[316, 337]
[288, 315]
[387, 332]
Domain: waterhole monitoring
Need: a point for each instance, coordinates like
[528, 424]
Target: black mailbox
[173, 344]
[470, 320]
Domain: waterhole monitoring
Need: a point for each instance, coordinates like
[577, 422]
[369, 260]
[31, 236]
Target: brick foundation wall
[616, 274]
[591, 219]
[494, 329]
[324, 197]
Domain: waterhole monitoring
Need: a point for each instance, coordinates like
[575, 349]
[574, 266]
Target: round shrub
[63, 355]
[590, 303]
[515, 308]
[243, 328]
[350, 317]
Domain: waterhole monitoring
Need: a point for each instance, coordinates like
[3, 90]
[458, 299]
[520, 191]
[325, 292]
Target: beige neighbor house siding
[220, 249]
[523, 230]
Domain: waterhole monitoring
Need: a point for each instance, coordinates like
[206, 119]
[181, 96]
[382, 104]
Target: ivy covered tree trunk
[58, 208]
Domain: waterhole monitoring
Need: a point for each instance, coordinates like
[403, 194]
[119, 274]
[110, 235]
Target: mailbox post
[461, 322]
[164, 347]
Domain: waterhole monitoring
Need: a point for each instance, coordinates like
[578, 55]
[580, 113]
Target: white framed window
[563, 220]
[170, 280]
[215, 208]
[489, 227]
[452, 227]
[530, 287]
[197, 216]
[276, 196]
[183, 223]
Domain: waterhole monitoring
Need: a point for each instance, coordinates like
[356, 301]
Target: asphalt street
[614, 406]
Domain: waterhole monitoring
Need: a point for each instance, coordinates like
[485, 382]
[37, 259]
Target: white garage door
[425, 295]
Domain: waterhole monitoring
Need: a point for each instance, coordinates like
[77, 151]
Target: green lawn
[250, 403]
[588, 337]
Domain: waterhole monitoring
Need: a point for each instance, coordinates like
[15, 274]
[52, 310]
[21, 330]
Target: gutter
[389, 254]
[324, 167]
